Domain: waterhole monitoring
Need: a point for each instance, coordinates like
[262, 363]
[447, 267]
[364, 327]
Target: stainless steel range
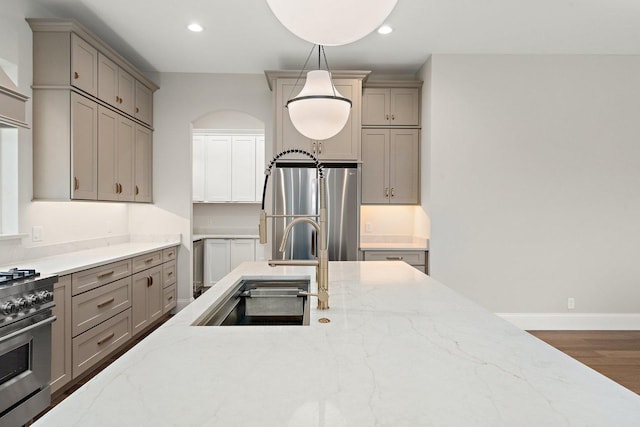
[26, 300]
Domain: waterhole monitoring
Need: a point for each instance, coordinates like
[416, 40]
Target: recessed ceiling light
[195, 27]
[385, 29]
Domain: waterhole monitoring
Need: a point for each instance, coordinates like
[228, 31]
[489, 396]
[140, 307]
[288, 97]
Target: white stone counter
[401, 350]
[384, 246]
[224, 236]
[72, 262]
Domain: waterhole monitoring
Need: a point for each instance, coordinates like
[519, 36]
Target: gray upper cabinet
[391, 106]
[92, 118]
[84, 61]
[343, 146]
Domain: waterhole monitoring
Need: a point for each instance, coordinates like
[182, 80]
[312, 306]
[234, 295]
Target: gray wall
[535, 180]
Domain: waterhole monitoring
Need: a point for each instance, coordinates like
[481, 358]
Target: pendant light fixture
[319, 111]
[331, 22]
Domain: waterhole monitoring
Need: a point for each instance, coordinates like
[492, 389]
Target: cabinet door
[84, 65]
[217, 262]
[242, 250]
[61, 334]
[125, 159]
[198, 168]
[217, 168]
[404, 168]
[405, 107]
[126, 92]
[143, 104]
[155, 296]
[107, 153]
[84, 148]
[107, 81]
[346, 144]
[375, 107]
[146, 300]
[375, 166]
[139, 303]
[243, 168]
[287, 137]
[143, 170]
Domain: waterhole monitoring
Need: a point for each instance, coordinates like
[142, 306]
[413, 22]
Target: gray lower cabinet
[147, 298]
[100, 309]
[418, 259]
[61, 334]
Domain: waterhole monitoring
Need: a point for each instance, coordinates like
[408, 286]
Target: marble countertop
[401, 350]
[72, 262]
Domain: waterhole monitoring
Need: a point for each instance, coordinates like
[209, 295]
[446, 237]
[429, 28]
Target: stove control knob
[32, 299]
[45, 296]
[8, 307]
[21, 303]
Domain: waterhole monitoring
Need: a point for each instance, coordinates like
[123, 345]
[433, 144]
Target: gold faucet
[322, 259]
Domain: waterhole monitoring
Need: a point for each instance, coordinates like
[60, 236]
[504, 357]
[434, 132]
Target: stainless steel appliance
[198, 268]
[26, 300]
[296, 193]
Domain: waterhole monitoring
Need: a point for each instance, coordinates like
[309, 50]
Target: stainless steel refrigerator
[295, 187]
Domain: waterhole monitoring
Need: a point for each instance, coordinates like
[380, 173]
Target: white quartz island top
[401, 350]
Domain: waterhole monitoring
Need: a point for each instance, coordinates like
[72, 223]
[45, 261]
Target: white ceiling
[243, 36]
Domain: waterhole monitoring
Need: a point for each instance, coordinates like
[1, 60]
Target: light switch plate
[37, 233]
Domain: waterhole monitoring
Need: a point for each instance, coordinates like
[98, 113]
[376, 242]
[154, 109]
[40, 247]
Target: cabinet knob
[386, 117]
[393, 117]
[392, 192]
[76, 75]
[386, 192]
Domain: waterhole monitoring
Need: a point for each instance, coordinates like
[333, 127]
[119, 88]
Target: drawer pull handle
[107, 302]
[395, 258]
[170, 254]
[170, 298]
[105, 274]
[137, 191]
[105, 339]
[170, 273]
[393, 194]
[148, 260]
[386, 192]
[149, 281]
[76, 75]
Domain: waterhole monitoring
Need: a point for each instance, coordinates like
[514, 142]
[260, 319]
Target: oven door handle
[28, 328]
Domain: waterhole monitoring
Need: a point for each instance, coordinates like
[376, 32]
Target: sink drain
[324, 320]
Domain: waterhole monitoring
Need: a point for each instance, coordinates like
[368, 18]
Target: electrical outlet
[368, 227]
[37, 233]
[571, 303]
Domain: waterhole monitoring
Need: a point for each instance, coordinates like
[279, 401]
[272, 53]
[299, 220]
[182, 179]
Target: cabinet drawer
[143, 262]
[410, 257]
[86, 280]
[97, 343]
[169, 254]
[169, 297]
[97, 305]
[168, 273]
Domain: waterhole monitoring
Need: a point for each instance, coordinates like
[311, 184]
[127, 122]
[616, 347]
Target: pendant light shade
[331, 22]
[319, 111]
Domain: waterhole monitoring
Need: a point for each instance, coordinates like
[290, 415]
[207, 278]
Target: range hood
[13, 104]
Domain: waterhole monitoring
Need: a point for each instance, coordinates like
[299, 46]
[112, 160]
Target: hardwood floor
[615, 354]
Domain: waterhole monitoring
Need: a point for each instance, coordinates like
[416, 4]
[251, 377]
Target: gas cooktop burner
[17, 274]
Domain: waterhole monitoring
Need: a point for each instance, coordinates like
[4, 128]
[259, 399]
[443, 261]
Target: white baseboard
[573, 321]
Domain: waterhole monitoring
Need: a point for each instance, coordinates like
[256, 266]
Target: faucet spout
[322, 259]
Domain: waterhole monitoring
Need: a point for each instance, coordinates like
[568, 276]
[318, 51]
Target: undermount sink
[262, 303]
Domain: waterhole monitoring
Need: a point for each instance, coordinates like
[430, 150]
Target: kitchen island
[401, 349]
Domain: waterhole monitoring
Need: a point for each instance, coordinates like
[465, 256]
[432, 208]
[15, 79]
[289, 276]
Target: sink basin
[262, 303]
